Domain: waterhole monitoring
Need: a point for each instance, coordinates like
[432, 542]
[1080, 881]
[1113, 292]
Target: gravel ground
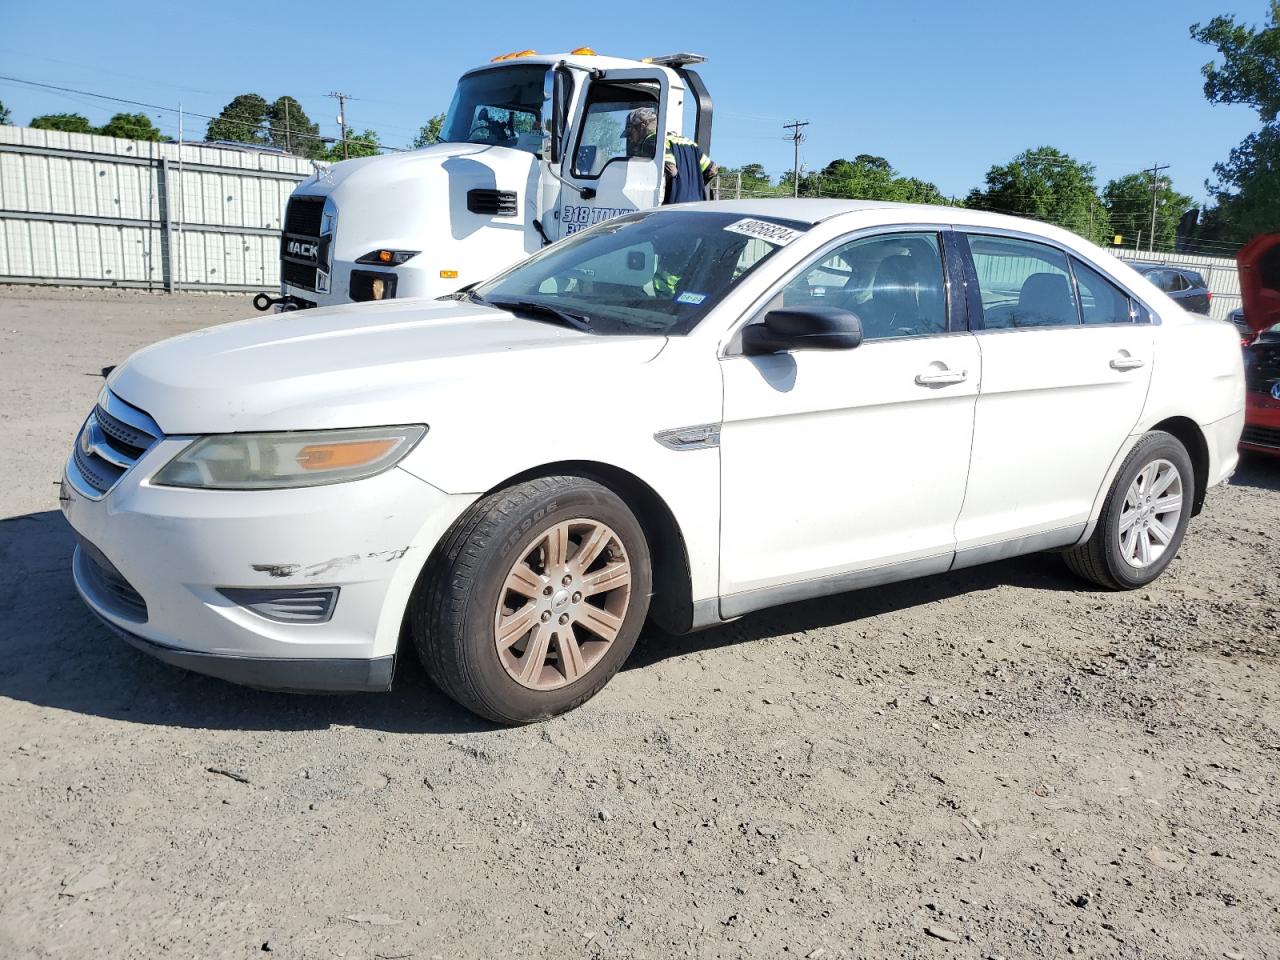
[996, 762]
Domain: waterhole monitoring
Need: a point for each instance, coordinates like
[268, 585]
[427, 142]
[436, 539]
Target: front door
[1065, 367]
[607, 173]
[841, 466]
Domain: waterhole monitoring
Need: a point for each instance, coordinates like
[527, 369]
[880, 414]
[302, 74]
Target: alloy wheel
[1150, 514]
[562, 604]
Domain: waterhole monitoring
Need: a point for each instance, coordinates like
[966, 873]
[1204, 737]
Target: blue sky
[942, 89]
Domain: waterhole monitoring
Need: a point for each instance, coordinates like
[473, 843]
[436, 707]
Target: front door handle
[1127, 363]
[942, 378]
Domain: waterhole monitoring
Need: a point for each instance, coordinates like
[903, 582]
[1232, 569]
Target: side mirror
[803, 328]
[555, 97]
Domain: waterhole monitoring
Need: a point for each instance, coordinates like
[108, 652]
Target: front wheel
[534, 600]
[1144, 518]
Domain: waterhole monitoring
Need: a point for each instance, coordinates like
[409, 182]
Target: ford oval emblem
[1275, 390]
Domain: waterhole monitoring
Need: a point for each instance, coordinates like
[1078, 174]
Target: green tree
[66, 122]
[1250, 62]
[358, 145]
[755, 181]
[868, 177]
[289, 128]
[1247, 189]
[243, 120]
[131, 126]
[430, 133]
[1128, 202]
[1046, 184]
[6, 118]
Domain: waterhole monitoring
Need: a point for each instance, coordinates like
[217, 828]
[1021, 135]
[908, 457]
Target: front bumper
[167, 551]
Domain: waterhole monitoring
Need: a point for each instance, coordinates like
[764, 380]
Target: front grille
[298, 274]
[492, 203]
[106, 586]
[112, 440]
[303, 215]
[1261, 436]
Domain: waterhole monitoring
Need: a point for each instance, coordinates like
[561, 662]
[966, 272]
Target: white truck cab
[533, 148]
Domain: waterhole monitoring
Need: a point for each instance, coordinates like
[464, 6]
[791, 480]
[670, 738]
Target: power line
[342, 99]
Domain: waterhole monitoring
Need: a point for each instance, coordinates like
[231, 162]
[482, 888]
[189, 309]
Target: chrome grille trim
[113, 438]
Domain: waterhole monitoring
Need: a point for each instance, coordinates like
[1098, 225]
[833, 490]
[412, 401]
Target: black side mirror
[803, 328]
[555, 104]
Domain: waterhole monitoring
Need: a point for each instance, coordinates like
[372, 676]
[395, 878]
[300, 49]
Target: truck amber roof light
[515, 56]
[582, 52]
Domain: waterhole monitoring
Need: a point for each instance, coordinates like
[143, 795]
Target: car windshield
[500, 107]
[658, 272]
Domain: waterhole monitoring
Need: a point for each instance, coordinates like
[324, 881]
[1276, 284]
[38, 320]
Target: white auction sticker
[764, 230]
[692, 298]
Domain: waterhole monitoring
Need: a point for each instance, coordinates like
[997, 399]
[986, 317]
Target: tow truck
[533, 149]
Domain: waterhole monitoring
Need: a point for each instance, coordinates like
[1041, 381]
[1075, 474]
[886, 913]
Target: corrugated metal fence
[85, 210]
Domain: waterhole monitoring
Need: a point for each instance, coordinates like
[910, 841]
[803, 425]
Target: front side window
[620, 122]
[500, 107]
[1022, 284]
[1101, 301]
[657, 272]
[895, 285]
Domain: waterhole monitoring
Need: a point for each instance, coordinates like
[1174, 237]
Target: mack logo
[301, 248]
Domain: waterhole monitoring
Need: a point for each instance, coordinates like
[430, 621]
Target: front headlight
[266, 461]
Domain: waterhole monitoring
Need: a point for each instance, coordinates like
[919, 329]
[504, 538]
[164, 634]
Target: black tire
[454, 605]
[1099, 559]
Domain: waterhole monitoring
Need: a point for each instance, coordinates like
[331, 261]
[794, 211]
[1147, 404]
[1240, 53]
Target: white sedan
[686, 415]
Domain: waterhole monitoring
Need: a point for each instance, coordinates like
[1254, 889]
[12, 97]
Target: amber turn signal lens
[335, 456]
[384, 256]
[448, 274]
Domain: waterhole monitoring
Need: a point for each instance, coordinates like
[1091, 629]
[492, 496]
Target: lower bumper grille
[106, 586]
[1261, 436]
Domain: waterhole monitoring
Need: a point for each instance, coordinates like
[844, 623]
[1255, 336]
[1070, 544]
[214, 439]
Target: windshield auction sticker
[764, 230]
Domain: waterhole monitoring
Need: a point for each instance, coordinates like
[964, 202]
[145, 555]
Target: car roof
[812, 211]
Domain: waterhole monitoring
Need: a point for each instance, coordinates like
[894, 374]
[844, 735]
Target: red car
[1259, 264]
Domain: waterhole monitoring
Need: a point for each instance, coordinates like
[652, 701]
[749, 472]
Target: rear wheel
[1144, 519]
[534, 600]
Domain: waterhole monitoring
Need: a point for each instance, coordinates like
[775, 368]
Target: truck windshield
[657, 272]
[500, 107]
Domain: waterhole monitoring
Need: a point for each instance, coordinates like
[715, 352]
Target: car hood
[360, 365]
[1259, 265]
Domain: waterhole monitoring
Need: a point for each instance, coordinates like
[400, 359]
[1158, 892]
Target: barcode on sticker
[764, 230]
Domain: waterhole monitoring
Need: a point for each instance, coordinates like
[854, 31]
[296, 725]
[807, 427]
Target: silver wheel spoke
[601, 622]
[525, 582]
[535, 654]
[608, 577]
[1144, 547]
[591, 548]
[1169, 504]
[571, 664]
[1127, 520]
[1163, 481]
[557, 546]
[514, 626]
[1162, 534]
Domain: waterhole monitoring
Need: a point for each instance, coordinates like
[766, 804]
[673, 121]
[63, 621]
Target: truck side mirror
[555, 102]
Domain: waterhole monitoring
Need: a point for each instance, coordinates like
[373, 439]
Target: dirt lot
[997, 762]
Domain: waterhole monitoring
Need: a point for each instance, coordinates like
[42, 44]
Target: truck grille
[113, 439]
[302, 252]
[1261, 436]
[303, 215]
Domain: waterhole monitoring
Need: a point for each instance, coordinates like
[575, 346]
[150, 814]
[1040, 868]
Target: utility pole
[288, 148]
[797, 135]
[342, 99]
[1155, 184]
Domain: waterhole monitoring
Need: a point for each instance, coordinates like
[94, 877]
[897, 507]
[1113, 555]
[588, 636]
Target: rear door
[1065, 370]
[605, 173]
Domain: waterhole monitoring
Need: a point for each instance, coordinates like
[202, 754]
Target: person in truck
[688, 170]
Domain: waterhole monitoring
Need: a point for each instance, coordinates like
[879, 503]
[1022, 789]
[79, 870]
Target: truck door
[606, 173]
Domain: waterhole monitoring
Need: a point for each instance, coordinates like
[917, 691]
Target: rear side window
[1101, 301]
[1022, 284]
[1195, 279]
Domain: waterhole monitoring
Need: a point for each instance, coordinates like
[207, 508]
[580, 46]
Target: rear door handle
[942, 378]
[1127, 363]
